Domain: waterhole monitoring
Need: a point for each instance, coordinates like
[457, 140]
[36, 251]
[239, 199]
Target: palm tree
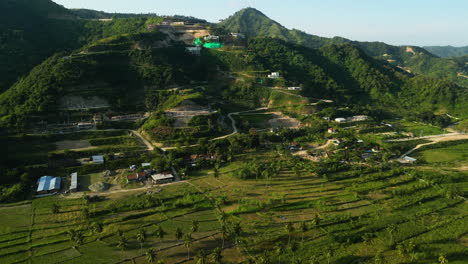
[289, 228]
[202, 257]
[160, 233]
[304, 228]
[443, 260]
[96, 227]
[179, 234]
[76, 237]
[150, 255]
[55, 208]
[195, 226]
[216, 255]
[237, 231]
[141, 237]
[279, 250]
[122, 244]
[224, 233]
[188, 243]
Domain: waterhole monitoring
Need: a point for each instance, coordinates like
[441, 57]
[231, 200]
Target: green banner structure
[213, 45]
[198, 42]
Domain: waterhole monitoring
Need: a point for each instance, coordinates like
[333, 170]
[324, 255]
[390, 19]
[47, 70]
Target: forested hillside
[33, 30]
[447, 51]
[115, 71]
[414, 59]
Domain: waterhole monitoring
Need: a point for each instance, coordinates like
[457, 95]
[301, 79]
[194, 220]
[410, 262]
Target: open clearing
[72, 144]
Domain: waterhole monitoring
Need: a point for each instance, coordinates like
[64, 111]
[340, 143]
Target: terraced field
[360, 215]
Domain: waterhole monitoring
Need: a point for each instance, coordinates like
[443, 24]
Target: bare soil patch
[72, 144]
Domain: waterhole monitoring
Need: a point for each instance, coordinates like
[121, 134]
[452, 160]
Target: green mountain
[31, 31]
[417, 60]
[447, 51]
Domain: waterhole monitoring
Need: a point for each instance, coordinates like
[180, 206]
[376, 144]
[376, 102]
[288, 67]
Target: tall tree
[188, 241]
[202, 257]
[141, 237]
[122, 244]
[179, 234]
[150, 255]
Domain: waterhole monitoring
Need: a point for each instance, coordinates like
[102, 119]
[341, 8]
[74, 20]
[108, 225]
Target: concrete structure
[131, 117]
[74, 182]
[238, 35]
[162, 178]
[274, 75]
[178, 23]
[98, 159]
[340, 120]
[194, 50]
[212, 38]
[146, 165]
[48, 184]
[85, 125]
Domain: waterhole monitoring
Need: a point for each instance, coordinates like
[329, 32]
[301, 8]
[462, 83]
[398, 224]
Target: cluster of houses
[131, 117]
[148, 174]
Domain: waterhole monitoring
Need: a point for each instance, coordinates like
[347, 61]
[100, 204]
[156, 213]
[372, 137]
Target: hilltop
[410, 58]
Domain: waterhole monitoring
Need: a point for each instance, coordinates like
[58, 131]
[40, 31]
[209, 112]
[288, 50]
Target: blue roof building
[48, 184]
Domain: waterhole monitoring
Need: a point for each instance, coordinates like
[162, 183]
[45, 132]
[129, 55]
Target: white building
[211, 38]
[162, 178]
[340, 120]
[359, 118]
[295, 88]
[274, 75]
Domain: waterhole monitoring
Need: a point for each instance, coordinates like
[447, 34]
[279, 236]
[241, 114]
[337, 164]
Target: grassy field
[256, 120]
[418, 129]
[450, 155]
[362, 212]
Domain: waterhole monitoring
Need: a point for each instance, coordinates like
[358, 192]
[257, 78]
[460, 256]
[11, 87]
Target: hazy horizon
[397, 22]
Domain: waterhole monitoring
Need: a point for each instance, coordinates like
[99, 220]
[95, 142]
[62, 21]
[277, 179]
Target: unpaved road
[434, 140]
[149, 146]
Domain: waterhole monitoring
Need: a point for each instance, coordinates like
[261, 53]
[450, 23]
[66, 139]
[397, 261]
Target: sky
[397, 22]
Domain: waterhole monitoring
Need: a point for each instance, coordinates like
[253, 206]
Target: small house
[294, 146]
[274, 75]
[162, 178]
[408, 160]
[332, 130]
[146, 165]
[138, 176]
[98, 159]
[294, 88]
[359, 118]
[74, 182]
[340, 120]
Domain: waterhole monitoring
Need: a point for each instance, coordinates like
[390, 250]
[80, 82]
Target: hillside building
[98, 159]
[274, 75]
[162, 178]
[48, 184]
[294, 88]
[340, 120]
[74, 182]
